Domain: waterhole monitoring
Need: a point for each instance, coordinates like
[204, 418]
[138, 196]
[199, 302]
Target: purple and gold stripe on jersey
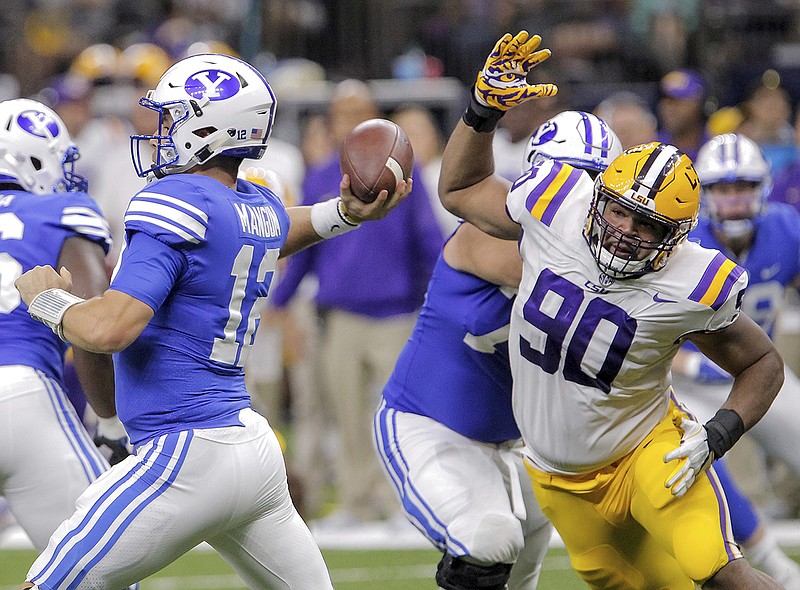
[547, 196]
[717, 281]
[168, 213]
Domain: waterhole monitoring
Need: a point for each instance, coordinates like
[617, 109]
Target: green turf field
[350, 570]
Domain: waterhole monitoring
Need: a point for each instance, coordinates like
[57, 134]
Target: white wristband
[50, 306]
[329, 218]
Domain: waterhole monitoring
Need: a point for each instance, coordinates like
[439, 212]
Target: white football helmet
[217, 105]
[736, 181]
[36, 151]
[576, 138]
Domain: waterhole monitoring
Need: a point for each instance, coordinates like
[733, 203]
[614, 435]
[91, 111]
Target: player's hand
[112, 437]
[502, 84]
[358, 211]
[696, 454]
[42, 278]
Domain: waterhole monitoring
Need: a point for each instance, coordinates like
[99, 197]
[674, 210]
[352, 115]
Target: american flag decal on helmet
[256, 134]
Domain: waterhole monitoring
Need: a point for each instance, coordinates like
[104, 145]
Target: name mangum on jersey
[591, 356]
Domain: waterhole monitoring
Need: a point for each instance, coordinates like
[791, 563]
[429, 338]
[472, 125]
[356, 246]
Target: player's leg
[433, 471]
[695, 528]
[537, 531]
[264, 538]
[759, 544]
[137, 517]
[608, 549]
[48, 458]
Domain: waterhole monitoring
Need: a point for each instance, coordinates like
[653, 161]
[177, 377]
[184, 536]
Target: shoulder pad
[81, 214]
[171, 210]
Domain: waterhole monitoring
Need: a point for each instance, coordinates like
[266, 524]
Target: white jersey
[591, 355]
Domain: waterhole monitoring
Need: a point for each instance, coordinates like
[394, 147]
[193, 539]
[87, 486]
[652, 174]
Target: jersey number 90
[553, 307]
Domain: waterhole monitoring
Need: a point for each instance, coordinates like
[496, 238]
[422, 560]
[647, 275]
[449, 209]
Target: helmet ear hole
[37, 163]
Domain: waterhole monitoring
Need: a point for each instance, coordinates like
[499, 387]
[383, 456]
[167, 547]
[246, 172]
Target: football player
[201, 248]
[764, 238]
[446, 410]
[47, 459]
[610, 289]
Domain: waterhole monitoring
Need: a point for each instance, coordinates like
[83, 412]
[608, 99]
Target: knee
[495, 538]
[704, 556]
[604, 567]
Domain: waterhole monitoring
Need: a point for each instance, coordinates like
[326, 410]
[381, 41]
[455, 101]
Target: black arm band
[479, 117]
[723, 430]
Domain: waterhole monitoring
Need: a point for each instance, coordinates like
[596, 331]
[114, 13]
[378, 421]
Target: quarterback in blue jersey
[46, 457]
[181, 314]
[610, 288]
[446, 410]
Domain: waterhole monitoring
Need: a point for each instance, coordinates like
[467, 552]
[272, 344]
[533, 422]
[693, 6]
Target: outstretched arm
[468, 186]
[309, 225]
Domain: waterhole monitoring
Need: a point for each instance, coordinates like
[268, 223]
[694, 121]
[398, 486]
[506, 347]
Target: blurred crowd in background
[677, 70]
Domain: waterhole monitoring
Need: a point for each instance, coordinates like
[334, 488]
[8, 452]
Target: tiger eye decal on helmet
[213, 84]
[657, 183]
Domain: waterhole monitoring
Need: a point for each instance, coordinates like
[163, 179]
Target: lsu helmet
[216, 105]
[576, 138]
[654, 180]
[36, 151]
[143, 62]
[97, 63]
[723, 162]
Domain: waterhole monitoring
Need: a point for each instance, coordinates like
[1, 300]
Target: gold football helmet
[656, 182]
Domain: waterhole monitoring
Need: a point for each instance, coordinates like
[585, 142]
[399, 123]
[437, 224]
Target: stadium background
[425, 52]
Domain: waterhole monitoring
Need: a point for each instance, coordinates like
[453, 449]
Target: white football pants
[226, 486]
[468, 498]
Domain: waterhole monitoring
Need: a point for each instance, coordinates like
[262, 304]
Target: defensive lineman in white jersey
[609, 290]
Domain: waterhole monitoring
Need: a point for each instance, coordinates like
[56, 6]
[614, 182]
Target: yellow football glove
[502, 84]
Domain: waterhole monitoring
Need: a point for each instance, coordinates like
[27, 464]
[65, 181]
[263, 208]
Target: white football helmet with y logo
[208, 105]
[736, 180]
[36, 151]
[576, 138]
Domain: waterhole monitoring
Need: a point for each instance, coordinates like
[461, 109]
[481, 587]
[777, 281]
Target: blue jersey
[772, 262]
[33, 229]
[202, 256]
[455, 366]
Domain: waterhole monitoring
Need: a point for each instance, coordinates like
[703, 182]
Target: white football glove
[111, 434]
[698, 457]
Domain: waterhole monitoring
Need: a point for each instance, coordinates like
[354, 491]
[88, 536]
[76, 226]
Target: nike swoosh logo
[658, 299]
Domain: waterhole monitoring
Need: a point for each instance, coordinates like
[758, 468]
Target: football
[376, 155]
